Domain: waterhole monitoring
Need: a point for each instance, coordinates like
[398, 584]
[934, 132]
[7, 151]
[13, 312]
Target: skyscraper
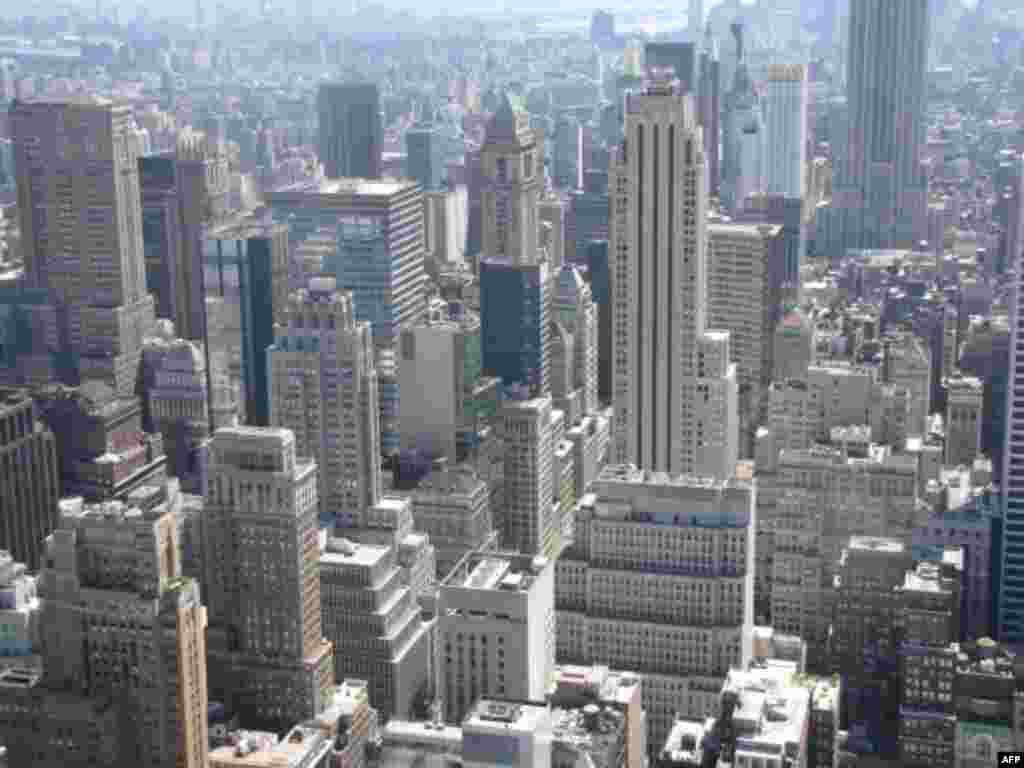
[695, 19]
[880, 185]
[710, 110]
[118, 618]
[674, 387]
[349, 144]
[81, 230]
[374, 232]
[269, 660]
[245, 282]
[514, 278]
[744, 151]
[424, 158]
[1011, 599]
[568, 153]
[786, 129]
[681, 58]
[30, 477]
[323, 387]
[533, 525]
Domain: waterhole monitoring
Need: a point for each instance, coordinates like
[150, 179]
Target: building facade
[350, 137]
[670, 376]
[660, 579]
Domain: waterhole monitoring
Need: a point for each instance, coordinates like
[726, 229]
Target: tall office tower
[788, 213]
[672, 381]
[964, 401]
[682, 593]
[119, 621]
[374, 233]
[600, 288]
[424, 160]
[245, 288]
[203, 184]
[162, 231]
[743, 135]
[532, 523]
[496, 631]
[880, 187]
[568, 153]
[681, 58]
[786, 130]
[587, 218]
[744, 296]
[514, 308]
[709, 110]
[1010, 623]
[446, 417]
[513, 181]
[350, 140]
[30, 476]
[323, 387]
[695, 20]
[793, 346]
[374, 619]
[261, 576]
[175, 392]
[576, 312]
[81, 230]
[1009, 209]
[444, 228]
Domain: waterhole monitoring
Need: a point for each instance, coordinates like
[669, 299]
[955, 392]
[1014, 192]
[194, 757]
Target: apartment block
[496, 630]
[269, 660]
[660, 579]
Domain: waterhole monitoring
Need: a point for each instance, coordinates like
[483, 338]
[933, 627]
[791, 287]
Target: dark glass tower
[350, 138]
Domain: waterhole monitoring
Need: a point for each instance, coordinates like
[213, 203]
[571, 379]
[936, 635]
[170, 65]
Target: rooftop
[264, 751]
[490, 715]
[340, 551]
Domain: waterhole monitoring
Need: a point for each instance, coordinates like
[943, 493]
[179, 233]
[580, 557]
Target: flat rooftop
[349, 186]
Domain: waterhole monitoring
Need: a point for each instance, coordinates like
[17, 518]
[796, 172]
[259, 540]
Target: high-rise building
[445, 417]
[30, 477]
[1009, 209]
[323, 387]
[532, 521]
[709, 110]
[880, 188]
[117, 617]
[82, 240]
[964, 399]
[681, 592]
[681, 58]
[496, 631]
[744, 297]
[261, 576]
[568, 153]
[175, 392]
[744, 148]
[374, 232]
[245, 285]
[424, 159]
[162, 237]
[202, 183]
[351, 137]
[576, 312]
[786, 130]
[514, 307]
[1011, 601]
[373, 618]
[695, 19]
[674, 387]
[587, 217]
